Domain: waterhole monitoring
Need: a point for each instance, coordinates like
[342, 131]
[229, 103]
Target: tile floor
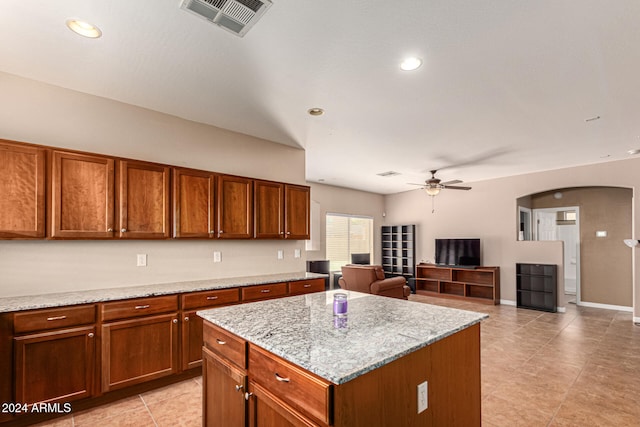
[580, 368]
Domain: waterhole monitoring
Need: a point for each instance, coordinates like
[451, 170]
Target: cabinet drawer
[53, 318]
[210, 298]
[298, 388]
[225, 344]
[306, 286]
[253, 293]
[139, 307]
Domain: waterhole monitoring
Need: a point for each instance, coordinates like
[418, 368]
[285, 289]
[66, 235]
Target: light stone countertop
[377, 330]
[29, 302]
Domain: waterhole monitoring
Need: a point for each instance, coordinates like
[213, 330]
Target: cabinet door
[235, 207]
[265, 409]
[55, 366]
[269, 210]
[82, 196]
[22, 192]
[139, 350]
[192, 341]
[143, 200]
[224, 386]
[193, 204]
[297, 212]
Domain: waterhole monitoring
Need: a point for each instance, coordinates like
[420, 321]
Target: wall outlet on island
[423, 397]
[217, 256]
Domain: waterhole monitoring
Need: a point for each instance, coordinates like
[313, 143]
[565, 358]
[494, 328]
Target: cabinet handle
[141, 307]
[306, 285]
[186, 318]
[239, 387]
[220, 232]
[109, 229]
[265, 291]
[124, 230]
[282, 379]
[175, 320]
[220, 341]
[90, 335]
[212, 298]
[247, 396]
[212, 232]
[288, 232]
[282, 232]
[49, 319]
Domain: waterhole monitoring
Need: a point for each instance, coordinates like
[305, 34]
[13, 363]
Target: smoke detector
[235, 16]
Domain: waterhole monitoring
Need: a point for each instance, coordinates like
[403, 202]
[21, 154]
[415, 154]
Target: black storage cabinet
[537, 285]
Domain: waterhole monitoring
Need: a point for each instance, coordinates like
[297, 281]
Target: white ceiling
[506, 86]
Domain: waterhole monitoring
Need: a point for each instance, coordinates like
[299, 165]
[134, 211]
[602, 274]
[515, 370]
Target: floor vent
[236, 16]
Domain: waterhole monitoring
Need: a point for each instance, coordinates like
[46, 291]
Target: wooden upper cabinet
[82, 196]
[297, 212]
[235, 207]
[269, 210]
[143, 200]
[22, 191]
[193, 204]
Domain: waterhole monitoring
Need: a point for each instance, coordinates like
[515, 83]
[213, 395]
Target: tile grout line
[155, 423]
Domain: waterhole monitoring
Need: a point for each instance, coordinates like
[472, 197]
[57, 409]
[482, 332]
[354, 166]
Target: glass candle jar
[339, 304]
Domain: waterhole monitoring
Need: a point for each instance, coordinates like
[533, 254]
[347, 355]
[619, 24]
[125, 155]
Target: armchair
[370, 279]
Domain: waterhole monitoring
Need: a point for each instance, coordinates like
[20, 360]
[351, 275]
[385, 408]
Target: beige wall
[43, 114]
[346, 201]
[605, 264]
[488, 211]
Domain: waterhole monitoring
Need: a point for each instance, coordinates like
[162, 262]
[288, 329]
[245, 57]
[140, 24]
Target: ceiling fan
[433, 185]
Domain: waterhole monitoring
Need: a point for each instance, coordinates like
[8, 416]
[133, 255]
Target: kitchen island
[291, 362]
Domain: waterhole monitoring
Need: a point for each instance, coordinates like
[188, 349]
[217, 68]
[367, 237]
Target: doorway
[562, 223]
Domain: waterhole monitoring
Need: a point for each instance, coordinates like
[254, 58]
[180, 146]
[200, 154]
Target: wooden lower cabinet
[265, 409]
[224, 392]
[139, 350]
[55, 366]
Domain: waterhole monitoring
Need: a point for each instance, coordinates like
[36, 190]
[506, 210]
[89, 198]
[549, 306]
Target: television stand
[479, 284]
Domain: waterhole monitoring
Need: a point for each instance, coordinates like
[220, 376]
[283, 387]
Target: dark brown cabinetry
[82, 196]
[54, 354]
[481, 284]
[138, 344]
[192, 323]
[22, 191]
[194, 204]
[235, 207]
[143, 200]
[536, 286]
[281, 211]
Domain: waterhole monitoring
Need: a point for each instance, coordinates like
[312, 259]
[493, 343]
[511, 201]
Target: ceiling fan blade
[413, 183]
[454, 187]
[454, 181]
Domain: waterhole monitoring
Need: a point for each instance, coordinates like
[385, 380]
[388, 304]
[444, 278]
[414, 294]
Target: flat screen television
[360, 259]
[462, 252]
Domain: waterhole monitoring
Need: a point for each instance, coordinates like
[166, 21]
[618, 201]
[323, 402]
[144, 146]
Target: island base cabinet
[54, 366]
[139, 350]
[224, 388]
[266, 410]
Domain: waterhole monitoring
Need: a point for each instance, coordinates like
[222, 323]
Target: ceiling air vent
[236, 16]
[389, 173]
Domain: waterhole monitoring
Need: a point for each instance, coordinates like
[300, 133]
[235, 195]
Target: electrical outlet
[141, 260]
[280, 254]
[297, 253]
[423, 397]
[217, 256]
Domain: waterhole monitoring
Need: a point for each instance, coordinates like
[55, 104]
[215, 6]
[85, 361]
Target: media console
[480, 284]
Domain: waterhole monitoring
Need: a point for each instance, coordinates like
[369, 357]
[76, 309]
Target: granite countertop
[377, 330]
[29, 302]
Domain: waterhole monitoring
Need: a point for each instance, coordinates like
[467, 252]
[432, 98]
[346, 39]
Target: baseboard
[561, 309]
[507, 302]
[606, 306]
[636, 320]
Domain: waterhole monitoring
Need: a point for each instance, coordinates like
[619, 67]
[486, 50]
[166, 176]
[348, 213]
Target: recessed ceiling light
[315, 111]
[84, 28]
[634, 151]
[410, 64]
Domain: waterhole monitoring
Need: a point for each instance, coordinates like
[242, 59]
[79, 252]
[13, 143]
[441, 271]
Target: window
[346, 235]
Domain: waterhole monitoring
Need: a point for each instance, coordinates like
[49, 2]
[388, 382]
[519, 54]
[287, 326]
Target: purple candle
[340, 304]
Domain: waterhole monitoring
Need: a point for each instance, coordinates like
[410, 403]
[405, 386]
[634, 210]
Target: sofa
[370, 279]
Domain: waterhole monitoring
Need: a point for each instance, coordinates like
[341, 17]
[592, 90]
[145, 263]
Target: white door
[546, 228]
